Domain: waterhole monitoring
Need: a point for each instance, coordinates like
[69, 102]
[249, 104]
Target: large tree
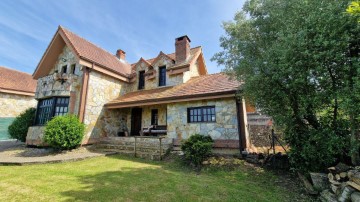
[299, 60]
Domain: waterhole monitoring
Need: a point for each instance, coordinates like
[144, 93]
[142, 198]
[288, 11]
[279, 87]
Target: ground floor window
[201, 114]
[50, 107]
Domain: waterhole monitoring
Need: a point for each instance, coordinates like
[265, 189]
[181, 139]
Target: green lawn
[118, 178]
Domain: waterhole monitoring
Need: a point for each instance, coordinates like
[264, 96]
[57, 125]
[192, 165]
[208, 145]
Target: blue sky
[142, 28]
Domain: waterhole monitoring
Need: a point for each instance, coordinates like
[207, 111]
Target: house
[17, 92]
[171, 94]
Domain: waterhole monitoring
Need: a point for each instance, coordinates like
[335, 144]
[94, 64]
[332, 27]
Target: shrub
[19, 127]
[64, 132]
[197, 148]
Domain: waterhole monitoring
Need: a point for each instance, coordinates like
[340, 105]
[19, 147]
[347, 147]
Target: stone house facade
[17, 92]
[171, 95]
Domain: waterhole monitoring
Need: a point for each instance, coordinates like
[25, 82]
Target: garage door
[4, 124]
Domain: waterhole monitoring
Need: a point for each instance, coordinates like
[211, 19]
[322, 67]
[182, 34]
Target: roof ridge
[167, 54]
[9, 68]
[86, 40]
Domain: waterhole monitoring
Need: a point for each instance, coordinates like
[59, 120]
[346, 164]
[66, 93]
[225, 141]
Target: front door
[135, 121]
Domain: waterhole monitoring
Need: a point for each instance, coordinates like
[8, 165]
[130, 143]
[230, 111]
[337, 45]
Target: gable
[87, 53]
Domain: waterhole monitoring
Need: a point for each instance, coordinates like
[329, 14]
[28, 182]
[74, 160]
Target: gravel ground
[16, 153]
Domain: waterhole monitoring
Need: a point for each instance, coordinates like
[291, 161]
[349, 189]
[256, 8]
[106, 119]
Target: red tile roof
[201, 86]
[14, 80]
[88, 51]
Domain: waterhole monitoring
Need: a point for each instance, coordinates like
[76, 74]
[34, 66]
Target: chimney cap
[181, 37]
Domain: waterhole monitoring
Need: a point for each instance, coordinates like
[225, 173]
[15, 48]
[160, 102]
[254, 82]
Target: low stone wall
[35, 136]
[143, 147]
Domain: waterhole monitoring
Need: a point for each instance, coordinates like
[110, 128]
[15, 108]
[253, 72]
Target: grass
[119, 178]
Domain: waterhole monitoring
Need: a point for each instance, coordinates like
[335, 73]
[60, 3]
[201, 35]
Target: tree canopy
[299, 61]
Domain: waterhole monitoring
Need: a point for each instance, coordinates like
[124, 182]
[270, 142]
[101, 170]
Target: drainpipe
[239, 119]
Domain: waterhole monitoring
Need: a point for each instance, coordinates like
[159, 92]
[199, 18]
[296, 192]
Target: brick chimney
[120, 54]
[182, 49]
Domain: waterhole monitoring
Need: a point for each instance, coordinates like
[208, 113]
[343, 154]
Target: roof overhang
[168, 100]
[50, 56]
[17, 92]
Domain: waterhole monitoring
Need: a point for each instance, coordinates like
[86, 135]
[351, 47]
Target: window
[64, 69]
[162, 76]
[154, 117]
[48, 108]
[73, 68]
[141, 80]
[201, 114]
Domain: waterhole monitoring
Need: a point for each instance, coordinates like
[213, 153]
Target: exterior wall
[11, 105]
[146, 115]
[57, 84]
[194, 71]
[101, 89]
[225, 127]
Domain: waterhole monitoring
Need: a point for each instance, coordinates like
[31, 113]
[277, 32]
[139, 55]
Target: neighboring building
[114, 98]
[17, 91]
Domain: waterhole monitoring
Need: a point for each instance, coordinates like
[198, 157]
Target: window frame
[197, 115]
[162, 76]
[50, 108]
[141, 84]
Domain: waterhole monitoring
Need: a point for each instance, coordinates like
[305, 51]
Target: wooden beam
[116, 106]
[83, 94]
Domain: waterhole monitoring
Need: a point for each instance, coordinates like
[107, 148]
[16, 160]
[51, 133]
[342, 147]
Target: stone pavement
[16, 153]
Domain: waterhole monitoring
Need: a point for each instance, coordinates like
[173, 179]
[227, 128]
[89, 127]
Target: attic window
[64, 69]
[73, 68]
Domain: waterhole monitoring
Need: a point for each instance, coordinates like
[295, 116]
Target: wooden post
[160, 149]
[135, 147]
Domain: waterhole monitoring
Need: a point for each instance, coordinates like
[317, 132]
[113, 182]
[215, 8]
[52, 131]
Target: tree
[299, 61]
[354, 8]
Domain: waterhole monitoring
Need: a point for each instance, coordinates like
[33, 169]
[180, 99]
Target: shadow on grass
[142, 180]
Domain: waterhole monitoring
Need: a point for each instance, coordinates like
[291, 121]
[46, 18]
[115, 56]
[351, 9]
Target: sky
[142, 28]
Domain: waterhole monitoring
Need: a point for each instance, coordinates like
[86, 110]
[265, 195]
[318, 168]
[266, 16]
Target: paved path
[16, 153]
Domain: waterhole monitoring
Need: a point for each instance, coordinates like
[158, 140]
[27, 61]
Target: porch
[136, 121]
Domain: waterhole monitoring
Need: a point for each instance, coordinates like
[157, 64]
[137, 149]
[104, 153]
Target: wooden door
[136, 121]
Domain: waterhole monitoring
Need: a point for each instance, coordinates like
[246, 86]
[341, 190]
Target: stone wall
[101, 89]
[58, 84]
[225, 127]
[146, 115]
[11, 105]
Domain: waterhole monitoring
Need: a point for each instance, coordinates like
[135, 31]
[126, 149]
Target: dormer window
[141, 80]
[64, 69]
[162, 76]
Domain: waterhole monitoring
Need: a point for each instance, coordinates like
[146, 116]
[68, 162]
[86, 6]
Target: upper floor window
[64, 69]
[141, 80]
[73, 68]
[201, 114]
[48, 108]
[162, 76]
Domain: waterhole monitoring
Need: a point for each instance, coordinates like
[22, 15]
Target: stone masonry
[225, 126]
[11, 105]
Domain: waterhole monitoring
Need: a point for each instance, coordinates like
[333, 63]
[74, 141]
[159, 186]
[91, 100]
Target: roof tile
[89, 51]
[197, 86]
[15, 80]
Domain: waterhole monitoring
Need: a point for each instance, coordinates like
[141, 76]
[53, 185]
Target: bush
[19, 127]
[64, 132]
[197, 148]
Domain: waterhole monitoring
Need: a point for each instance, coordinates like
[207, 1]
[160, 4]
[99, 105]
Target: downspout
[239, 119]
[84, 92]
